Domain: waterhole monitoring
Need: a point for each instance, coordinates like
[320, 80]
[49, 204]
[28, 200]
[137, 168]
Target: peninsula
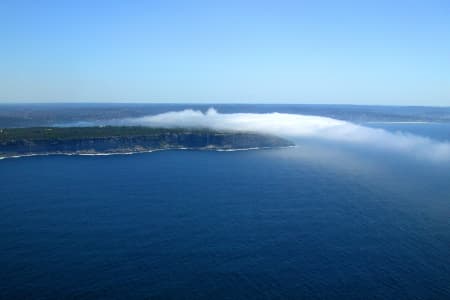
[126, 139]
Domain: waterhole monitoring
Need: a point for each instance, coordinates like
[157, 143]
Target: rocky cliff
[23, 141]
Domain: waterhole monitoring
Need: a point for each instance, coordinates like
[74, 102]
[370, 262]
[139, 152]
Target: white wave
[74, 154]
[136, 152]
[239, 149]
[104, 154]
[305, 126]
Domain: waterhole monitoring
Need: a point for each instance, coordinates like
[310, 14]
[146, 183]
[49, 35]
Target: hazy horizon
[214, 103]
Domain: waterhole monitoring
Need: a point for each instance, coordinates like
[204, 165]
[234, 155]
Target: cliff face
[163, 139]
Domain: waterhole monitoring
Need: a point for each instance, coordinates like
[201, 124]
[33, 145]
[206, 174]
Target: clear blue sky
[359, 52]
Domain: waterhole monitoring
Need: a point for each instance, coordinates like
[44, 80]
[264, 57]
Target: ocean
[323, 220]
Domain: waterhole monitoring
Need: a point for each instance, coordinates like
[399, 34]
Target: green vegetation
[67, 133]
[125, 139]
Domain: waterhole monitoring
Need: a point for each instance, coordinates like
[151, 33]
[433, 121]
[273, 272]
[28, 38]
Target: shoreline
[139, 152]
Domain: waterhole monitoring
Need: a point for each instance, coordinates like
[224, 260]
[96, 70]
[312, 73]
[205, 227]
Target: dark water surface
[313, 222]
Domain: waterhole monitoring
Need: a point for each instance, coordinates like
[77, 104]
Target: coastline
[141, 152]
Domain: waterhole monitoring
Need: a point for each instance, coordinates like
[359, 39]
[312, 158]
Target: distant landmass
[126, 139]
[43, 115]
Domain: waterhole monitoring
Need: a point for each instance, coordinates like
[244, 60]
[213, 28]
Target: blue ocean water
[319, 221]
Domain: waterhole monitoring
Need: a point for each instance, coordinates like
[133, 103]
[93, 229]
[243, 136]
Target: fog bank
[293, 125]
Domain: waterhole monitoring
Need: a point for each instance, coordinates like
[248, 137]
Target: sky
[332, 52]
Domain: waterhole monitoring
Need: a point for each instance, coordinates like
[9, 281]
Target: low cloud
[301, 126]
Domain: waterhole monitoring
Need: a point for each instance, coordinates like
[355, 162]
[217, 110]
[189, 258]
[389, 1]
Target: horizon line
[212, 103]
